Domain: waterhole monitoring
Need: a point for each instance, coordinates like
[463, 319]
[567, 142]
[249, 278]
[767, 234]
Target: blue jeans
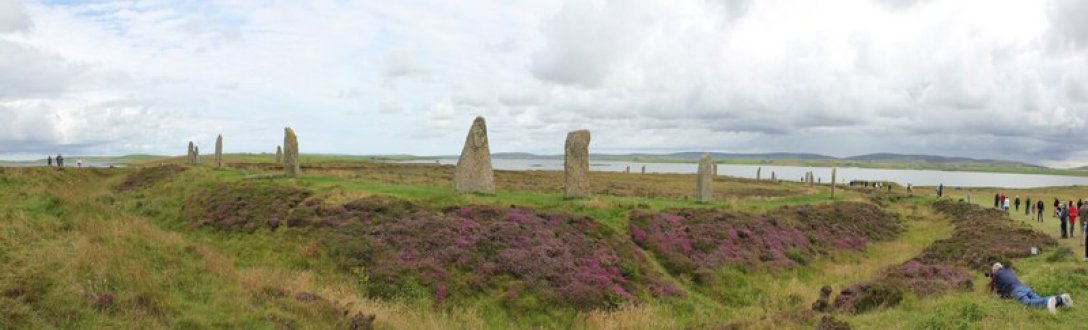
[1028, 297]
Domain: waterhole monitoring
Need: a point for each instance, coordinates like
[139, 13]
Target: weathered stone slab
[576, 164]
[291, 164]
[704, 178]
[474, 173]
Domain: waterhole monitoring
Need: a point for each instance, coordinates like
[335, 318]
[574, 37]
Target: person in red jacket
[1073, 219]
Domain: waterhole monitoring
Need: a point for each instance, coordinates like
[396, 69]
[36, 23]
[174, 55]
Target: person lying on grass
[1004, 282]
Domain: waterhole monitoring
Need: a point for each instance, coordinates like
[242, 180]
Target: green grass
[67, 239]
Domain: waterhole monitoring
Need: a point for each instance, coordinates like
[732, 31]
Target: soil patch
[149, 176]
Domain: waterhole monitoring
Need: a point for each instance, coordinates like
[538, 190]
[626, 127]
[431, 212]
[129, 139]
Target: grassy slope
[68, 239]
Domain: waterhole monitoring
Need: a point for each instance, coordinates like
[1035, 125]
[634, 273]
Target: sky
[984, 79]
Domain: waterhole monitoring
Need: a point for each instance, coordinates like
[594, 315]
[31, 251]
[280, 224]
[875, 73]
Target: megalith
[576, 164]
[290, 153]
[189, 158]
[279, 155]
[703, 179]
[758, 170]
[833, 182]
[219, 151]
[196, 155]
[473, 173]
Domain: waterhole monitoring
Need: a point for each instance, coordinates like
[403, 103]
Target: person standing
[1016, 202]
[1063, 218]
[1072, 219]
[79, 162]
[1083, 215]
[1057, 209]
[60, 160]
[997, 200]
[49, 161]
[1028, 206]
[1039, 206]
[1006, 208]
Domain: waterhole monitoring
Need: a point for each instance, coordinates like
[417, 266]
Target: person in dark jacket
[1004, 282]
[1039, 206]
[1016, 202]
[997, 200]
[1063, 217]
[1028, 206]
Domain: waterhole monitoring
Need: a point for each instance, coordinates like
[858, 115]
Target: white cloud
[971, 78]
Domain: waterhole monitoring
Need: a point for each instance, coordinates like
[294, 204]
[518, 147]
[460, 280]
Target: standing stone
[279, 155]
[773, 178]
[473, 173]
[189, 155]
[290, 153]
[219, 151]
[703, 179]
[715, 169]
[833, 182]
[627, 170]
[758, 172]
[196, 155]
[643, 169]
[576, 164]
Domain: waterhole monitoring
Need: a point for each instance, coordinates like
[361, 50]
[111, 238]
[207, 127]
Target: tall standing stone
[704, 178]
[196, 155]
[758, 172]
[189, 158]
[279, 155]
[643, 169]
[576, 164]
[290, 153]
[773, 178]
[219, 151]
[627, 170]
[473, 173]
[833, 182]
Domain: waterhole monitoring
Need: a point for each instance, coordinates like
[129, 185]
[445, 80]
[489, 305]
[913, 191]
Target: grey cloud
[13, 17]
[26, 72]
[584, 41]
[1069, 23]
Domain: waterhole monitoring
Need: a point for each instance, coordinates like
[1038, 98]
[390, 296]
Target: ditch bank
[980, 237]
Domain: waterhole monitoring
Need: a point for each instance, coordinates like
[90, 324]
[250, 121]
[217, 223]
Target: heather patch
[514, 253]
[982, 237]
[690, 241]
[242, 206]
[149, 176]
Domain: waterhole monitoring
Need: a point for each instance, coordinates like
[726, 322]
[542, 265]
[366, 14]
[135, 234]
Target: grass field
[79, 252]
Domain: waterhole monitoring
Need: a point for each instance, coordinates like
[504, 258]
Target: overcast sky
[988, 79]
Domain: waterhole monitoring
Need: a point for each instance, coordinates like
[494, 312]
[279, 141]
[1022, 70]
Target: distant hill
[901, 158]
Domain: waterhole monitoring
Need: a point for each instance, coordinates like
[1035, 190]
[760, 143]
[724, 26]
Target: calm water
[794, 173]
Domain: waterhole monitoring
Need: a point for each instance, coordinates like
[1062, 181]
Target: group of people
[59, 160]
[1067, 214]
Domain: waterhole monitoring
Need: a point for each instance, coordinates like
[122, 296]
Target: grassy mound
[402, 250]
[690, 241]
[149, 176]
[243, 206]
[515, 252]
[982, 237]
